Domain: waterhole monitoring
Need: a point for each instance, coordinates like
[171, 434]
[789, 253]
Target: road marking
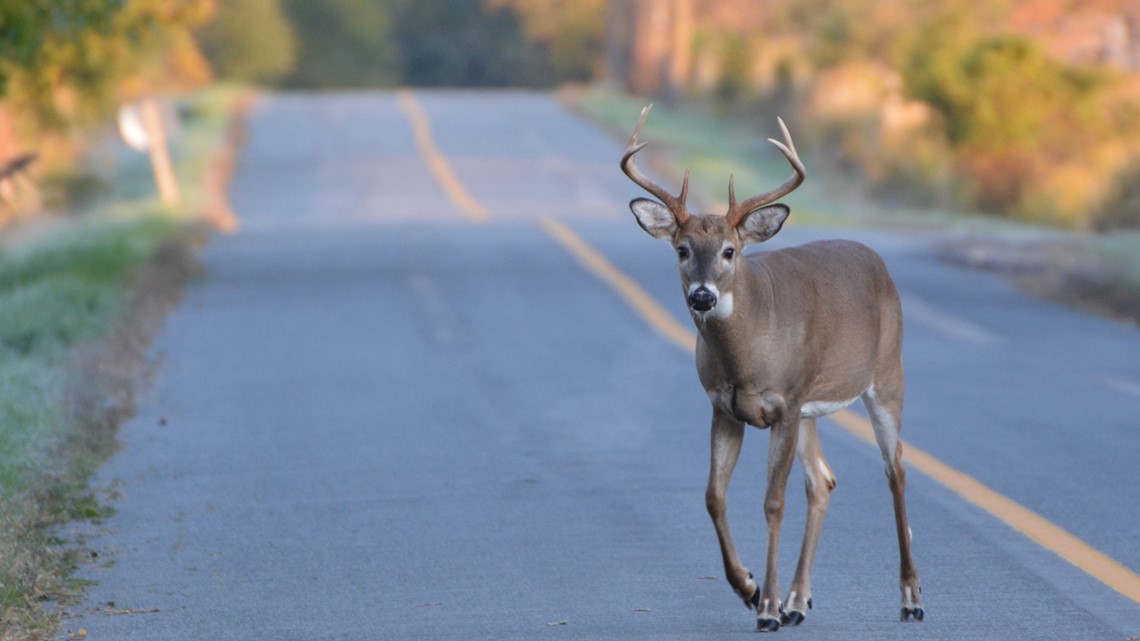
[1046, 534]
[1123, 385]
[922, 312]
[644, 304]
[435, 160]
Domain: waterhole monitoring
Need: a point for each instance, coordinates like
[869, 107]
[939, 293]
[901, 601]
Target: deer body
[758, 350]
[784, 337]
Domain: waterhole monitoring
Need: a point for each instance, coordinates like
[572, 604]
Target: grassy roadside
[80, 298]
[1097, 272]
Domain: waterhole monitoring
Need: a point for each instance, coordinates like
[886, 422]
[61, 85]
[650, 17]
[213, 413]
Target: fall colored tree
[249, 41]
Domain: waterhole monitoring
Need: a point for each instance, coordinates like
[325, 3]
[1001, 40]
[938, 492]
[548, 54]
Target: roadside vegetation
[80, 297]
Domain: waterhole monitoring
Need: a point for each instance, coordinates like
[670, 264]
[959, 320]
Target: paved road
[376, 419]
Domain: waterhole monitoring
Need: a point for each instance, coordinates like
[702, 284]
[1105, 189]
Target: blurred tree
[68, 63]
[452, 43]
[1121, 207]
[1010, 111]
[344, 43]
[28, 26]
[570, 32]
[249, 41]
[649, 45]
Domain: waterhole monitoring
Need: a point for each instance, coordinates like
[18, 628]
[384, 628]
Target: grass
[1098, 272]
[75, 296]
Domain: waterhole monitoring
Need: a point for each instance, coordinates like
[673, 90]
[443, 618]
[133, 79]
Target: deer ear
[654, 218]
[762, 224]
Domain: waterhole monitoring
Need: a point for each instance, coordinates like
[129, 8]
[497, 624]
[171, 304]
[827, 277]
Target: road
[377, 418]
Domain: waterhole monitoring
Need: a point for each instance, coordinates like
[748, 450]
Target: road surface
[379, 418]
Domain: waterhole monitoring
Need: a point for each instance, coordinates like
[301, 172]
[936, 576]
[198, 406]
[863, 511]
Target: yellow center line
[435, 160]
[1046, 534]
[645, 305]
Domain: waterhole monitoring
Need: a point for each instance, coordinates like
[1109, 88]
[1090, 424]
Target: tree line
[1023, 108]
[1001, 107]
[300, 44]
[67, 65]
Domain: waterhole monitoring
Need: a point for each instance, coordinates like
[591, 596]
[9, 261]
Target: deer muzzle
[702, 299]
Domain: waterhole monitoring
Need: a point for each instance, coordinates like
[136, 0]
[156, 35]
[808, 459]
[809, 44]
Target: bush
[1121, 209]
[249, 41]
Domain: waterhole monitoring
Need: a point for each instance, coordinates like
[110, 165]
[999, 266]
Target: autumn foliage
[1025, 108]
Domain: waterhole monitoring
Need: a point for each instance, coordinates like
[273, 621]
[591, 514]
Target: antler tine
[675, 204]
[737, 211]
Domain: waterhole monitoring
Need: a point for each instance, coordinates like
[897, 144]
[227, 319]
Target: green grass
[66, 287]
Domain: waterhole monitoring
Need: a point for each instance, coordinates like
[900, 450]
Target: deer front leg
[727, 436]
[781, 451]
[819, 481]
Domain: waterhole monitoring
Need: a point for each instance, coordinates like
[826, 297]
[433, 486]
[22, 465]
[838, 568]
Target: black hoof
[792, 618]
[767, 625]
[754, 602]
[911, 614]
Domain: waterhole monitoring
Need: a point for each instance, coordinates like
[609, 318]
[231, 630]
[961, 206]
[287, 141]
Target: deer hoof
[911, 614]
[765, 624]
[792, 618]
[752, 602]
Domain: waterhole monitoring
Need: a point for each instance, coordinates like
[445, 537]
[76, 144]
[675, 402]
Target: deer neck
[732, 334]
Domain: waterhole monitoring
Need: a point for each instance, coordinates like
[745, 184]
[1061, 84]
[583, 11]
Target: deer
[784, 337]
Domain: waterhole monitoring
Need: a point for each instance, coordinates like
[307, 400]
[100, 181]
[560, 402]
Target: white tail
[784, 337]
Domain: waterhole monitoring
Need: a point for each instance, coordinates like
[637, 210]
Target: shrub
[1121, 209]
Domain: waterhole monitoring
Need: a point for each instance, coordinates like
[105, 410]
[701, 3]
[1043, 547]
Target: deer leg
[884, 405]
[727, 436]
[819, 481]
[781, 452]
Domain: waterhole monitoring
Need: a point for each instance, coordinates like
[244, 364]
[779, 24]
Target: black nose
[702, 300]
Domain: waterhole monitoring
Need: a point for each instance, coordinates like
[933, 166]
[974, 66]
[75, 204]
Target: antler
[676, 204]
[737, 211]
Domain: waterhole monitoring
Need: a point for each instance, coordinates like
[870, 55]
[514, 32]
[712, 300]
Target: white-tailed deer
[784, 337]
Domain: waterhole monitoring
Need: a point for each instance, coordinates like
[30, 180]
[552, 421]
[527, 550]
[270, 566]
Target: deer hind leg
[819, 481]
[727, 436]
[884, 405]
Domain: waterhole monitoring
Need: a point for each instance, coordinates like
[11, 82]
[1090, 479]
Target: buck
[784, 337]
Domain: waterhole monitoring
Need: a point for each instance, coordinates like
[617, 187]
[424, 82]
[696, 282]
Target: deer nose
[702, 299]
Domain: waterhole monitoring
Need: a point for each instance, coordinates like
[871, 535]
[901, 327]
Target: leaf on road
[112, 612]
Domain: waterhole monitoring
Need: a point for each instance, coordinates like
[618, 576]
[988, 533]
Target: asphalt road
[376, 419]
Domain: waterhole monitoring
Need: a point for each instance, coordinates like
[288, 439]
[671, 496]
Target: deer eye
[729, 252]
[682, 253]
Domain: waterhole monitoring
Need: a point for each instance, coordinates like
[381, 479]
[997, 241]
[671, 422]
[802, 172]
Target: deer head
[709, 246]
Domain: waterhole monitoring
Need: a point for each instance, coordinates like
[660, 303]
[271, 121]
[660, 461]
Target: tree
[343, 43]
[467, 44]
[65, 64]
[571, 33]
[249, 41]
[27, 27]
[1010, 111]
